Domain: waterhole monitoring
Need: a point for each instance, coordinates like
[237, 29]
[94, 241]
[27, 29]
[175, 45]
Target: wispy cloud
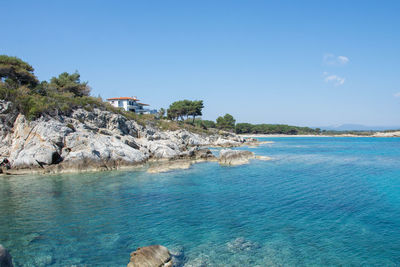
[343, 59]
[397, 94]
[331, 59]
[333, 78]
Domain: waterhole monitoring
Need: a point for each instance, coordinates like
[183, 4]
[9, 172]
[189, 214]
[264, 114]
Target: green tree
[195, 108]
[244, 128]
[185, 108]
[70, 83]
[226, 122]
[14, 72]
[176, 110]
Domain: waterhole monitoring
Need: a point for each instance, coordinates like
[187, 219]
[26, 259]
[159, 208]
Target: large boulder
[202, 154]
[161, 149]
[5, 258]
[36, 143]
[85, 150]
[234, 157]
[151, 256]
[226, 143]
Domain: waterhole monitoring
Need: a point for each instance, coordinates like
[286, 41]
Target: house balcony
[133, 106]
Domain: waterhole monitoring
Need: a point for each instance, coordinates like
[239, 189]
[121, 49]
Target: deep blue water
[319, 202]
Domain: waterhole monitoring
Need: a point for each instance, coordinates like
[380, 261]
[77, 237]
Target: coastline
[297, 135]
[377, 134]
[151, 165]
[98, 140]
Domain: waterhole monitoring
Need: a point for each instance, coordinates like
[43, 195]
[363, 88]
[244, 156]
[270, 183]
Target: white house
[129, 104]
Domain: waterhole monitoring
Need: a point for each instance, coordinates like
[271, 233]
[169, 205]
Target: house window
[120, 104]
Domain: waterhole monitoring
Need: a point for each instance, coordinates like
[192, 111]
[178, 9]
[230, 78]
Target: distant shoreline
[377, 134]
[296, 135]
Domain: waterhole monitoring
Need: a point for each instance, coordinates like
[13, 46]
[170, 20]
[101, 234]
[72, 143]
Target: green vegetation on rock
[227, 122]
[185, 108]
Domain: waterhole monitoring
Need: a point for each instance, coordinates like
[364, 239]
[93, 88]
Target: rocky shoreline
[98, 140]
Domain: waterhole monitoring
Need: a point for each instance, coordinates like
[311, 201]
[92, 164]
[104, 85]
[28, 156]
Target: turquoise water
[320, 201]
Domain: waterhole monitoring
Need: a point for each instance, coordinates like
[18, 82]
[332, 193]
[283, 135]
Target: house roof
[123, 98]
[143, 104]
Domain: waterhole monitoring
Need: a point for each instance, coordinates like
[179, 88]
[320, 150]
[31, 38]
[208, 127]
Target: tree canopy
[19, 85]
[273, 129]
[185, 108]
[70, 83]
[15, 72]
[226, 122]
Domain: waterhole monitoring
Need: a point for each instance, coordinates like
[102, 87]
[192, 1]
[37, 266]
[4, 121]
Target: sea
[320, 201]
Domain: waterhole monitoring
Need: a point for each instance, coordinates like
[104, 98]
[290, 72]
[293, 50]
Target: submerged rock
[241, 244]
[151, 256]
[5, 258]
[43, 260]
[178, 256]
[234, 157]
[263, 158]
[201, 261]
[182, 161]
[167, 166]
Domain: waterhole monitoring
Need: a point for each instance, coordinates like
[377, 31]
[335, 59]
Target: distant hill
[358, 127]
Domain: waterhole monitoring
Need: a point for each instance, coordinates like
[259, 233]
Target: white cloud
[397, 94]
[333, 78]
[343, 59]
[331, 59]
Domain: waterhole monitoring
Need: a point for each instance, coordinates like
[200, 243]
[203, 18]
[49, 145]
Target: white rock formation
[95, 140]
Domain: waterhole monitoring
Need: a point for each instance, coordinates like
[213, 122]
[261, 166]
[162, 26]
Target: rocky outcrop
[47, 141]
[5, 258]
[96, 140]
[187, 158]
[234, 157]
[151, 256]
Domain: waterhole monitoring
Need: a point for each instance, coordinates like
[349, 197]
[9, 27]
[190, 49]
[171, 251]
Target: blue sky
[311, 63]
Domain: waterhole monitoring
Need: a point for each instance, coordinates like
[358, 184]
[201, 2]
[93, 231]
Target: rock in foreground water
[5, 258]
[151, 256]
[235, 157]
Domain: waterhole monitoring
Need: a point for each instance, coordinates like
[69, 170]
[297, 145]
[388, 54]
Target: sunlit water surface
[320, 201]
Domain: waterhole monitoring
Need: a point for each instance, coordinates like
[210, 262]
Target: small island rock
[234, 157]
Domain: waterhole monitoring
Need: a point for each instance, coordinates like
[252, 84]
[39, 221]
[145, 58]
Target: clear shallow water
[321, 201]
